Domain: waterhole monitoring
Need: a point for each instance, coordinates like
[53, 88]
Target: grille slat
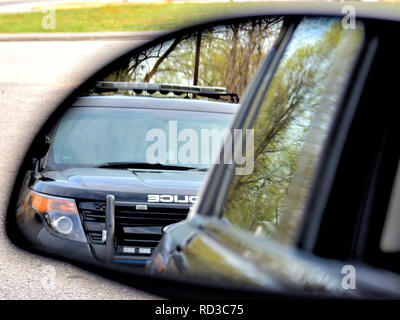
[93, 214]
[95, 237]
[145, 221]
[141, 242]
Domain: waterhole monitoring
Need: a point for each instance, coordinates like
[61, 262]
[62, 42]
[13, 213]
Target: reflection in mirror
[224, 56]
[143, 138]
[291, 128]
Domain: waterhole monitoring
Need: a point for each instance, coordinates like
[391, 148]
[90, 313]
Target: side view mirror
[41, 149]
[131, 178]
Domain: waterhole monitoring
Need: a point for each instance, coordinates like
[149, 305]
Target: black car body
[146, 197]
[346, 209]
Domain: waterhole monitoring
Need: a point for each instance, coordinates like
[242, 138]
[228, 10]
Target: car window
[94, 136]
[291, 128]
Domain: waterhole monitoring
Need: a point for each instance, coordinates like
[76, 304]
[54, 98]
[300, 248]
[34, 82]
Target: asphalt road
[34, 76]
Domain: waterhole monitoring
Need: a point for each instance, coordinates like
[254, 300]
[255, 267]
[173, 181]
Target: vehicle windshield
[109, 137]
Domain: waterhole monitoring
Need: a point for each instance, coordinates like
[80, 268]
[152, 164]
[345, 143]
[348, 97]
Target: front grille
[133, 228]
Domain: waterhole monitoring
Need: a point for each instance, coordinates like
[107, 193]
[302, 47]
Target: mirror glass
[126, 160]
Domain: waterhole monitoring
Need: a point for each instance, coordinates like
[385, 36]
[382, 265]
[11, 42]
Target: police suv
[119, 169]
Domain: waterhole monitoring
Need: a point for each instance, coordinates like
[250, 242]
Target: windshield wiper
[143, 165]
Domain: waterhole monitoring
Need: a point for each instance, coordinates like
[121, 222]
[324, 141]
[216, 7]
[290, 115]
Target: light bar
[163, 88]
[140, 86]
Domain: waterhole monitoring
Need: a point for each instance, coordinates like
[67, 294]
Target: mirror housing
[41, 149]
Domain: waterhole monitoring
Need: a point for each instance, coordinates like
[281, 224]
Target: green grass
[162, 16]
[125, 17]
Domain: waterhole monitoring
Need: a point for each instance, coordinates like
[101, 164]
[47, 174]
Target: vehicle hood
[124, 184]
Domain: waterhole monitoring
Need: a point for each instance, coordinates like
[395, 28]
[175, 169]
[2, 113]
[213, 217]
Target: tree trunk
[231, 72]
[161, 59]
[197, 62]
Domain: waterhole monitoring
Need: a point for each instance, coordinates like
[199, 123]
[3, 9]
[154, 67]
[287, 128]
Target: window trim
[392, 219]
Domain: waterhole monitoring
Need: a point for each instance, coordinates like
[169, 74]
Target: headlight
[60, 214]
[63, 225]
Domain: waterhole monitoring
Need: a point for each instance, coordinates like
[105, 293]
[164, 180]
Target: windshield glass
[92, 137]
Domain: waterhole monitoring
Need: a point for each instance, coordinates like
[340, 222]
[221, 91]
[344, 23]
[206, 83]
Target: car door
[298, 216]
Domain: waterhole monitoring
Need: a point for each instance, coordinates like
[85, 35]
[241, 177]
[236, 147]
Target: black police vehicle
[95, 192]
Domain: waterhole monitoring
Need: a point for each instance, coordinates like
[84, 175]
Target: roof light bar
[158, 87]
[177, 89]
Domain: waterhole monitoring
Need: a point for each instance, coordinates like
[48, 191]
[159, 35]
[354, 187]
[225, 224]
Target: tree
[225, 56]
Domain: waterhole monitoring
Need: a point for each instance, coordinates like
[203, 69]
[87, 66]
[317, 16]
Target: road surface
[33, 77]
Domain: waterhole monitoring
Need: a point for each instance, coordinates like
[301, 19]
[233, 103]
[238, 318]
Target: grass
[141, 17]
[121, 17]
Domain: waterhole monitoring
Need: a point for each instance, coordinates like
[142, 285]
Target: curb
[81, 36]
